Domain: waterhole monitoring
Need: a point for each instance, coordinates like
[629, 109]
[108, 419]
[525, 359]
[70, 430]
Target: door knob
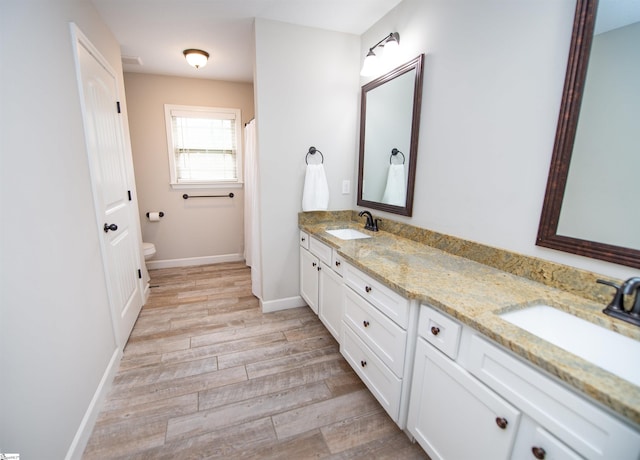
[112, 227]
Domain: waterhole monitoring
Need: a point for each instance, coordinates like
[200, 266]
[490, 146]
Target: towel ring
[395, 152]
[312, 151]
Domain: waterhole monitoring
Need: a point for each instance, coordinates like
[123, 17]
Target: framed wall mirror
[593, 190]
[389, 125]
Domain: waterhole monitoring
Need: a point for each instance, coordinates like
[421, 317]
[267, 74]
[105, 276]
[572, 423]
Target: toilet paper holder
[161, 214]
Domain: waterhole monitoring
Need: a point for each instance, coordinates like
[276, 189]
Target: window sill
[207, 186]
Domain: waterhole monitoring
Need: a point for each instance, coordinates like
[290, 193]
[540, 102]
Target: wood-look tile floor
[206, 374]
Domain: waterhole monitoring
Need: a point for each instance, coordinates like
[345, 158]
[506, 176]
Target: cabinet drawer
[440, 331]
[321, 250]
[304, 239]
[382, 335]
[584, 427]
[384, 385]
[387, 301]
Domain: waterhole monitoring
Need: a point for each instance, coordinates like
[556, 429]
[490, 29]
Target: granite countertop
[476, 294]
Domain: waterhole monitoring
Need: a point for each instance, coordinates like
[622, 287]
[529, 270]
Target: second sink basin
[609, 350]
[347, 234]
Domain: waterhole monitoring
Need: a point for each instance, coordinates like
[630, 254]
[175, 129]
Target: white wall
[493, 80]
[202, 231]
[57, 337]
[306, 83]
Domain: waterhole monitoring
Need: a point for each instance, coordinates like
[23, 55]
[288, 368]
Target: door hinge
[139, 274]
[118, 106]
[129, 194]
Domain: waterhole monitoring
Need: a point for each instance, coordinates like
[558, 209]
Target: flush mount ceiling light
[196, 58]
[389, 45]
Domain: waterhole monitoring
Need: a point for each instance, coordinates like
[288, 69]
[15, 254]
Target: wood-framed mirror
[389, 126]
[580, 214]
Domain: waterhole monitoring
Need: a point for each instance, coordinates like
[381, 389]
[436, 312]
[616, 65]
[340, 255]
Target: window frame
[173, 179]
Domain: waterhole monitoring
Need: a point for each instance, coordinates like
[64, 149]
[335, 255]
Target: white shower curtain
[252, 208]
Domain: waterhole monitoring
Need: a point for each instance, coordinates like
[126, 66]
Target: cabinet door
[331, 301]
[309, 265]
[454, 416]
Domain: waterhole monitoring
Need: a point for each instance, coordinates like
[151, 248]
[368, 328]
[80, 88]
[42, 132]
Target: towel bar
[186, 197]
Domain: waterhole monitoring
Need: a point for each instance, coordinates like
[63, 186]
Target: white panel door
[107, 156]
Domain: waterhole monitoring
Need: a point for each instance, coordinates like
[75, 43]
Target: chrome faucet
[371, 224]
[616, 307]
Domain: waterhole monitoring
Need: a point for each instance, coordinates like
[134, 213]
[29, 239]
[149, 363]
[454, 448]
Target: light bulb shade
[391, 45]
[370, 65]
[196, 58]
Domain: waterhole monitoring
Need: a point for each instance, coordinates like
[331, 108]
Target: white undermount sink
[347, 234]
[609, 350]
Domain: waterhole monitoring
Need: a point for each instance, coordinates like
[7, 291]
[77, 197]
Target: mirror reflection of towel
[315, 196]
[395, 191]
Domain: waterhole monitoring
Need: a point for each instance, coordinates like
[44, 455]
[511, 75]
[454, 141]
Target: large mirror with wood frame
[593, 190]
[389, 124]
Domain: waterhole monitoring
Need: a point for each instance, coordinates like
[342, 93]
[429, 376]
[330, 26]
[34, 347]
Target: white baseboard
[189, 261]
[282, 304]
[85, 429]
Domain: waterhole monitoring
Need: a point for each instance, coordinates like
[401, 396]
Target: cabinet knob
[435, 330]
[367, 288]
[319, 268]
[337, 263]
[363, 363]
[538, 452]
[313, 264]
[304, 239]
[502, 422]
[365, 323]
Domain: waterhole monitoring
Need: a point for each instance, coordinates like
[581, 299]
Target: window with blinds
[204, 145]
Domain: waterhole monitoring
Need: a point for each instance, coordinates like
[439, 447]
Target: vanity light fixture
[196, 58]
[389, 45]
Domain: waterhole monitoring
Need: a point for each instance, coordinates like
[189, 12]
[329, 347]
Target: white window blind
[203, 144]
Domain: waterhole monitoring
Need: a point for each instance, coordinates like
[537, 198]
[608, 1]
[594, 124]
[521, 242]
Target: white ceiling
[157, 31]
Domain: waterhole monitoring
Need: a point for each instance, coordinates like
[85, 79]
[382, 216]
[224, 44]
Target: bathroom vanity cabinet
[321, 283]
[473, 399]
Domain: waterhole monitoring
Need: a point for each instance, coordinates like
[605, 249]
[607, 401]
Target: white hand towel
[315, 196]
[395, 192]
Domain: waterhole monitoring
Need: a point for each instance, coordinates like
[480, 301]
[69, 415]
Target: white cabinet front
[331, 301]
[309, 286]
[453, 416]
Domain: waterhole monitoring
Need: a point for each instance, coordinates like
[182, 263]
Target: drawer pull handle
[363, 363]
[313, 264]
[367, 288]
[502, 422]
[337, 263]
[435, 330]
[365, 323]
[538, 452]
[304, 239]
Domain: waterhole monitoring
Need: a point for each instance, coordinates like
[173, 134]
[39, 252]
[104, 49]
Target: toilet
[149, 250]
